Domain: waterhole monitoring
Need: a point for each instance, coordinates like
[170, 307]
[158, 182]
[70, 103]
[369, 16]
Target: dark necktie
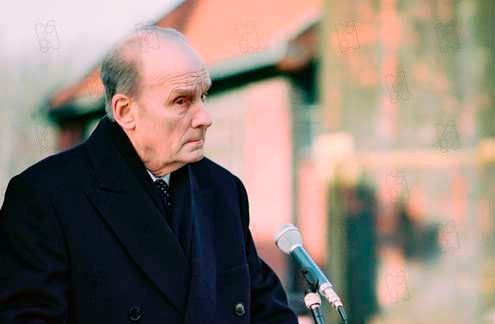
[164, 190]
[173, 219]
[177, 208]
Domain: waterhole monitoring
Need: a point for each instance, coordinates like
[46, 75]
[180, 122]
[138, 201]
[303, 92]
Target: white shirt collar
[166, 177]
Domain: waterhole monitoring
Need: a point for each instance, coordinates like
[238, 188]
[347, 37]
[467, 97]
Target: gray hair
[120, 67]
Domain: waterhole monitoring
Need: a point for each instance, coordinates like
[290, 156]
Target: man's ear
[123, 111]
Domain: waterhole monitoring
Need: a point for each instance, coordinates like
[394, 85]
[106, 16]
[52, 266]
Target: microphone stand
[312, 297]
[313, 302]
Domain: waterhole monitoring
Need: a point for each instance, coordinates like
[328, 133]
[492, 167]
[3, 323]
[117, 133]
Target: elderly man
[135, 224]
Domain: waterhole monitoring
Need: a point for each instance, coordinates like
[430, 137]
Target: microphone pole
[313, 303]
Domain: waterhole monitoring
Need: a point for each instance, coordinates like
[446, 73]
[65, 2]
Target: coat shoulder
[214, 176]
[58, 170]
[214, 172]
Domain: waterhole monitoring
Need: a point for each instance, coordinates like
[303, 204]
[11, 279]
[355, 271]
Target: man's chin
[195, 156]
[199, 158]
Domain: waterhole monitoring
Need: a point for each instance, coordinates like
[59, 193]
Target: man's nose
[202, 117]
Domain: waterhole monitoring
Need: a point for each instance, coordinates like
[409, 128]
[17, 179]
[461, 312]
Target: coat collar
[137, 223]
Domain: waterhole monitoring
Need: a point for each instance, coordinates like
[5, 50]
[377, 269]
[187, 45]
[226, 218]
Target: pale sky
[84, 28]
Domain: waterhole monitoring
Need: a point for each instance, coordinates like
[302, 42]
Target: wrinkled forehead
[192, 80]
[174, 64]
[199, 79]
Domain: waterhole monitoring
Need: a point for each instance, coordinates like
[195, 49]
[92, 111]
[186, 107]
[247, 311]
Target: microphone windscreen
[287, 237]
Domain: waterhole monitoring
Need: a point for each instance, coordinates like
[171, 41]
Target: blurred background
[368, 124]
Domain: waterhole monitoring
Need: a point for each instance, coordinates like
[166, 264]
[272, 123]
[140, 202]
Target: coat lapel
[134, 218]
[202, 292]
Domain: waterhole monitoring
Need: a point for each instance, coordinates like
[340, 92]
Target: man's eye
[204, 95]
[181, 101]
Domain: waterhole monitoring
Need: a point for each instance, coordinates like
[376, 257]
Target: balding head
[121, 69]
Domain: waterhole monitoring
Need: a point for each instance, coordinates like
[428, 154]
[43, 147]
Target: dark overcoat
[83, 240]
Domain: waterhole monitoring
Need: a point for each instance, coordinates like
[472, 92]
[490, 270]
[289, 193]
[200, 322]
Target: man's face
[170, 112]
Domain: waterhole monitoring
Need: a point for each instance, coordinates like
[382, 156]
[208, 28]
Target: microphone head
[287, 238]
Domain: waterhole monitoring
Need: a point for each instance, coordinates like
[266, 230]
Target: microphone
[289, 240]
